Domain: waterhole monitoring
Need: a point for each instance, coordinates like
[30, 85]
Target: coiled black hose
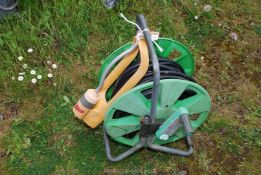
[168, 70]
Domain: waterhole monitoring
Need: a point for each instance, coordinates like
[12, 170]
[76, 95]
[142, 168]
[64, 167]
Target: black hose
[168, 70]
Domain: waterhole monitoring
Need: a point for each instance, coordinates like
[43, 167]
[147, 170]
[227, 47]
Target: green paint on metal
[137, 105]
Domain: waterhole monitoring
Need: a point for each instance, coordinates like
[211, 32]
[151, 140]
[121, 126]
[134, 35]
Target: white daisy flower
[13, 78]
[20, 78]
[32, 72]
[50, 75]
[20, 58]
[196, 17]
[54, 84]
[25, 66]
[39, 77]
[34, 80]
[54, 66]
[21, 73]
[207, 8]
[30, 50]
[49, 62]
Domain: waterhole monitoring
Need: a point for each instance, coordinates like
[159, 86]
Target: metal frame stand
[147, 139]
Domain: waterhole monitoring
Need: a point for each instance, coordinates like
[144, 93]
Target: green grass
[39, 134]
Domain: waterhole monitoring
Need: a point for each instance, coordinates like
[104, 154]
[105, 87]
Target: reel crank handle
[169, 127]
[184, 119]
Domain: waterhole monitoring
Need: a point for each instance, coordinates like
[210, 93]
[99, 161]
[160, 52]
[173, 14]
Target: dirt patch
[31, 109]
[8, 112]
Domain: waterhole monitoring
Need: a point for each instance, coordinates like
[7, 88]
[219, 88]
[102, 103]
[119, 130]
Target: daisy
[54, 66]
[32, 72]
[39, 77]
[50, 75]
[20, 78]
[34, 80]
[20, 58]
[30, 50]
[25, 66]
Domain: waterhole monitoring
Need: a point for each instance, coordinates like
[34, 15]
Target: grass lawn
[38, 133]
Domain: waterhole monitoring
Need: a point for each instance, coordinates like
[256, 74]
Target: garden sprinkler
[146, 96]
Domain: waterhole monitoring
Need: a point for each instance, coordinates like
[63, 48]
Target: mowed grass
[38, 133]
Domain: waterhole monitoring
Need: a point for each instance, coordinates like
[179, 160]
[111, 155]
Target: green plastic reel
[185, 58]
[134, 105]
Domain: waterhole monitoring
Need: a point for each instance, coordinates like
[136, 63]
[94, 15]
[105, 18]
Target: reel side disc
[135, 104]
[185, 58]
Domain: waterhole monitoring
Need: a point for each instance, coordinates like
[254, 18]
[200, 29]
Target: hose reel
[146, 97]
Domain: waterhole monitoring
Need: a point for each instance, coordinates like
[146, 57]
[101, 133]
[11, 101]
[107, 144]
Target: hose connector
[85, 103]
